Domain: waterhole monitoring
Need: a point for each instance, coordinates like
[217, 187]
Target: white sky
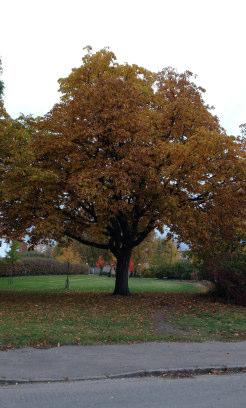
[40, 41]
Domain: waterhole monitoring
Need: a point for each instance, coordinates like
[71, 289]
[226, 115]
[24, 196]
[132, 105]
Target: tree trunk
[121, 281]
[67, 279]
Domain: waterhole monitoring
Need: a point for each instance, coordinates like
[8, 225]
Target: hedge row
[180, 270]
[35, 254]
[40, 266]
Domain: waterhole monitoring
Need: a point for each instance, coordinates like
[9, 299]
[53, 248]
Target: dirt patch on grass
[163, 327]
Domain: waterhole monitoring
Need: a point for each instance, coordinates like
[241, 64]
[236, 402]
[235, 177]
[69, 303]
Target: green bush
[180, 270]
[40, 266]
[147, 273]
[35, 254]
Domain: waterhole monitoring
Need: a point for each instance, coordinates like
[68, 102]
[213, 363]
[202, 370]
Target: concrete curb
[170, 373]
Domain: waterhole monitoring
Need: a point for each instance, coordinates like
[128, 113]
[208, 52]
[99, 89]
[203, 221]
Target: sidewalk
[87, 362]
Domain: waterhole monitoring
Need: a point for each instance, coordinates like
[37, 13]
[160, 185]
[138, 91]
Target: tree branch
[143, 234]
[86, 241]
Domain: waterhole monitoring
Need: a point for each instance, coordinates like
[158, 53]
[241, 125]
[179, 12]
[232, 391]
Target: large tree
[1, 82]
[125, 151]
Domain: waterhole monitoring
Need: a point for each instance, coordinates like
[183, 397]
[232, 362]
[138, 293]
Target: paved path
[199, 392]
[78, 362]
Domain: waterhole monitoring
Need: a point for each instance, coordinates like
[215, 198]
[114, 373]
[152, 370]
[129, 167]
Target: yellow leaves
[121, 139]
[68, 253]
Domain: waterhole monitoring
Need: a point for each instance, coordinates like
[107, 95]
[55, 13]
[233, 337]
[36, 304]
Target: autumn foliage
[123, 152]
[100, 263]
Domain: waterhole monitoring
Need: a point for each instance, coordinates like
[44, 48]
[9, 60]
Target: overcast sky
[40, 41]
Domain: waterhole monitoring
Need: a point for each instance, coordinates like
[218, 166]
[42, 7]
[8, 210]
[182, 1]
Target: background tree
[88, 253]
[66, 252]
[125, 151]
[91, 254]
[166, 252]
[143, 253]
[154, 251]
[12, 256]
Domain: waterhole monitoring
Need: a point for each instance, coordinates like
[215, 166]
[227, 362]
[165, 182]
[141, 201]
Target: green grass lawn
[37, 311]
[92, 283]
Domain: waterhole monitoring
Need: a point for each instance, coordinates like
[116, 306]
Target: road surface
[87, 362]
[207, 391]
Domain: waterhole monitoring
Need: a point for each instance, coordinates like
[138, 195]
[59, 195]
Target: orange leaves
[100, 262]
[124, 150]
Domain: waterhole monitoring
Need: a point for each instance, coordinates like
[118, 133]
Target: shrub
[31, 266]
[180, 270]
[229, 276]
[35, 254]
[147, 273]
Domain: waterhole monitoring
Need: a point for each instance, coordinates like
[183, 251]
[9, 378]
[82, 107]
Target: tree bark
[121, 281]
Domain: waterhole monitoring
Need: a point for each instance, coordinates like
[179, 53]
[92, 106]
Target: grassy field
[92, 283]
[37, 311]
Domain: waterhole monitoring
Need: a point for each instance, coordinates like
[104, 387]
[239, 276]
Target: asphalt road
[85, 362]
[200, 392]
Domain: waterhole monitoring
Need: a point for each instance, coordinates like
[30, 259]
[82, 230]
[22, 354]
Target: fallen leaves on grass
[45, 319]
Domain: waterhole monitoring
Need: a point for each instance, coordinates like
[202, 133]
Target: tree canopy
[1, 82]
[124, 151]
